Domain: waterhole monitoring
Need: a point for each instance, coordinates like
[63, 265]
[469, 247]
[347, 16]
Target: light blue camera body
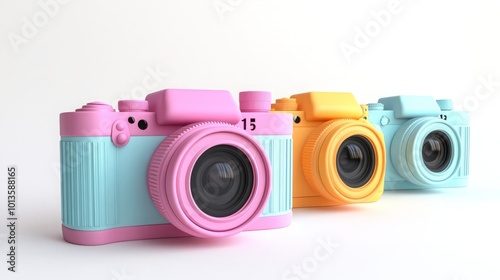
[427, 143]
[104, 187]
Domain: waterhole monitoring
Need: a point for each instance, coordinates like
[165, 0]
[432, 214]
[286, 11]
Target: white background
[91, 50]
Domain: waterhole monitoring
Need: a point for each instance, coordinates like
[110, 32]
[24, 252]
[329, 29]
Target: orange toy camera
[339, 156]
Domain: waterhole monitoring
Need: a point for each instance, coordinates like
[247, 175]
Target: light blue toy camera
[427, 143]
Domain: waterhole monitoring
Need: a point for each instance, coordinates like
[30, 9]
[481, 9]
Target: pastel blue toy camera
[427, 142]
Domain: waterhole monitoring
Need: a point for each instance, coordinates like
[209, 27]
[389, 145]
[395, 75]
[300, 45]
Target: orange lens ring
[328, 156]
[323, 174]
[310, 163]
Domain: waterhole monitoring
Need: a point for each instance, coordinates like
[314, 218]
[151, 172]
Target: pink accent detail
[268, 123]
[186, 106]
[101, 124]
[120, 135]
[97, 118]
[133, 105]
[255, 101]
[96, 106]
[271, 222]
[169, 178]
[122, 139]
[102, 237]
[120, 126]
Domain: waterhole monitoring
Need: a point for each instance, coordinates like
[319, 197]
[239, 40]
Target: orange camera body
[339, 156]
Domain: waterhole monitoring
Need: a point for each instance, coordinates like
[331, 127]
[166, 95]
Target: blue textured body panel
[279, 149]
[104, 187]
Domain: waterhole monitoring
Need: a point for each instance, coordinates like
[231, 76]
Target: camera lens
[356, 161]
[436, 151]
[221, 181]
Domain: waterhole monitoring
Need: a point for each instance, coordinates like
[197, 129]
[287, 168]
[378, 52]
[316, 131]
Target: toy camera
[339, 156]
[427, 142]
[180, 163]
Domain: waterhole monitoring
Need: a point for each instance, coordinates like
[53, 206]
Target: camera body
[339, 156]
[427, 142]
[180, 163]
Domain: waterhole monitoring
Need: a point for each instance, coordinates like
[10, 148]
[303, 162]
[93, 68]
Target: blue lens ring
[406, 151]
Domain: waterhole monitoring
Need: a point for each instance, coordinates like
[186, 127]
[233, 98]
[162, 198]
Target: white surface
[89, 50]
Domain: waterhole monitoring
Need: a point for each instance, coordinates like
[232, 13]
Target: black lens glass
[356, 161]
[437, 151]
[222, 181]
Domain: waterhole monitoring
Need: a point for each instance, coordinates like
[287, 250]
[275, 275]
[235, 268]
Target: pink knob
[120, 134]
[255, 101]
[96, 106]
[133, 106]
[121, 126]
[122, 139]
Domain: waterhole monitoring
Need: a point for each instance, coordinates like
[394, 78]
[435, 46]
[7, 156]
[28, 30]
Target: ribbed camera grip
[279, 150]
[88, 184]
[464, 132]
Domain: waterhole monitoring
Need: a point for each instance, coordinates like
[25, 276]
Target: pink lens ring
[169, 178]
